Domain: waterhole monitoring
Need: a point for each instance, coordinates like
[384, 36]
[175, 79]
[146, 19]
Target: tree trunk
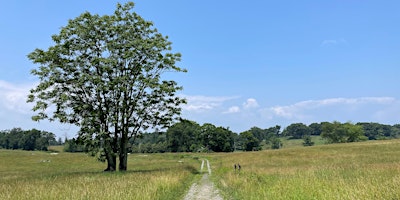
[123, 154]
[111, 162]
[110, 157]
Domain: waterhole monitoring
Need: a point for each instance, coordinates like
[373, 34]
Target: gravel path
[204, 189]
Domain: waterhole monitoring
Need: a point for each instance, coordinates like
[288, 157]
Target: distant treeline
[189, 136]
[17, 138]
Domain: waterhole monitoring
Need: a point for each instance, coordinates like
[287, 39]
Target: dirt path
[204, 189]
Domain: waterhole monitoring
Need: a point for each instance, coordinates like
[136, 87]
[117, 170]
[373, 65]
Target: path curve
[203, 189]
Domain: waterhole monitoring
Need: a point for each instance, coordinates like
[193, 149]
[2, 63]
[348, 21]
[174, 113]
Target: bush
[308, 141]
[276, 143]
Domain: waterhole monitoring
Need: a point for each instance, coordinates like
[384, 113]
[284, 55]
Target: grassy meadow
[42, 175]
[365, 170]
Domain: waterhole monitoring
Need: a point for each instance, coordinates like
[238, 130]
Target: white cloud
[13, 97]
[233, 109]
[204, 103]
[364, 108]
[250, 103]
[333, 42]
[15, 112]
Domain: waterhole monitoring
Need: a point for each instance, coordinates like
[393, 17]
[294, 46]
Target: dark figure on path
[235, 167]
[239, 167]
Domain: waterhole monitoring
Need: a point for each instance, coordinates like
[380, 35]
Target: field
[366, 170]
[41, 175]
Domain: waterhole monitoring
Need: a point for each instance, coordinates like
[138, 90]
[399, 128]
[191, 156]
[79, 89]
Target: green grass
[365, 170]
[41, 175]
[290, 143]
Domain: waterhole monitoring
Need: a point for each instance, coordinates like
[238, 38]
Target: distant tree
[217, 139]
[259, 133]
[17, 138]
[275, 130]
[28, 141]
[222, 140]
[307, 141]
[104, 74]
[376, 131]
[395, 133]
[276, 143]
[333, 132]
[297, 130]
[73, 146]
[3, 140]
[183, 136]
[316, 128]
[249, 141]
[59, 141]
[14, 138]
[337, 132]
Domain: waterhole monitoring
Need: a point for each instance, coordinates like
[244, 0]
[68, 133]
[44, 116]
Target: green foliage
[249, 141]
[182, 135]
[217, 139]
[17, 138]
[104, 74]
[276, 143]
[316, 128]
[74, 146]
[297, 130]
[188, 136]
[375, 131]
[307, 141]
[265, 134]
[337, 132]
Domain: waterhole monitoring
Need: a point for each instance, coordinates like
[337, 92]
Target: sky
[250, 63]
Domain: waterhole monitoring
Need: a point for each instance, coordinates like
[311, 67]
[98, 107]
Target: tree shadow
[189, 168]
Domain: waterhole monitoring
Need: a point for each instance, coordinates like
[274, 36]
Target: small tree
[307, 141]
[249, 141]
[276, 143]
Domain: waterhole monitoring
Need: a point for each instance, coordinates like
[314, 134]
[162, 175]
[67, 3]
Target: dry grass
[369, 170]
[39, 175]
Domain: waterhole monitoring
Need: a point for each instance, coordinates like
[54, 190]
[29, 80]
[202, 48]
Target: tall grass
[40, 175]
[368, 170]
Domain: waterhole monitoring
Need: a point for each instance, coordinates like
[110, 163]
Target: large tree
[103, 74]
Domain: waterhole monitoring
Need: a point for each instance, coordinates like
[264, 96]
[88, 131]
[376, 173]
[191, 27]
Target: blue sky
[250, 63]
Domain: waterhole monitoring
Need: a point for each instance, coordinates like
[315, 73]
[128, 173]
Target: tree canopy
[104, 74]
[297, 130]
[337, 132]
